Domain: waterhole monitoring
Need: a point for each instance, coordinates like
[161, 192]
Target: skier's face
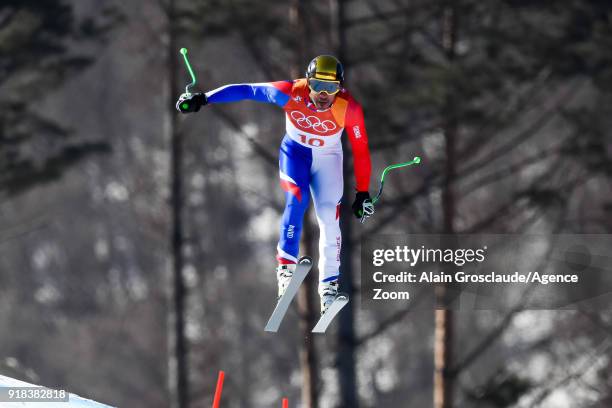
[322, 100]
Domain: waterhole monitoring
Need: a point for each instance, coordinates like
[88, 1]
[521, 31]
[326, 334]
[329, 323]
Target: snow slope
[75, 400]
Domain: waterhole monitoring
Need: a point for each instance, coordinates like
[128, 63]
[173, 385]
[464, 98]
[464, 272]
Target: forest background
[137, 245]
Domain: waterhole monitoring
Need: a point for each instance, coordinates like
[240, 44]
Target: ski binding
[326, 318]
[301, 270]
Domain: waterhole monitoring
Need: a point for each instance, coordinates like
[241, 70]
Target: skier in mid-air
[317, 110]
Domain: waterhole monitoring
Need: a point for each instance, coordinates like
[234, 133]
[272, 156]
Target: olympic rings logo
[312, 122]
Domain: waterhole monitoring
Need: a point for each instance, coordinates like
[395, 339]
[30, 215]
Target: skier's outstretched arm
[269, 92]
[355, 129]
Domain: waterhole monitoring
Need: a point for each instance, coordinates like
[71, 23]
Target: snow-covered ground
[74, 400]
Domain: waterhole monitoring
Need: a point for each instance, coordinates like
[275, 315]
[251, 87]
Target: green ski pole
[387, 169]
[185, 104]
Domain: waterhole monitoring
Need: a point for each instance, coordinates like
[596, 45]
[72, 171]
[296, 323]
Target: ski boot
[283, 276]
[328, 292]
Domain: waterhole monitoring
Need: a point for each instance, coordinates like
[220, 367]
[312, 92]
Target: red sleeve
[355, 128]
[283, 86]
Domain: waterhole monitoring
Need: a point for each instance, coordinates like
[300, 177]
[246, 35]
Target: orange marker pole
[217, 399]
[285, 403]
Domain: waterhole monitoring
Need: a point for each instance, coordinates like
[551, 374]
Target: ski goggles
[319, 85]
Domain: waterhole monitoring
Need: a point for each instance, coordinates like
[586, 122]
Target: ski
[340, 301]
[301, 270]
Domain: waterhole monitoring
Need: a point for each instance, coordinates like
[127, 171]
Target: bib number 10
[312, 141]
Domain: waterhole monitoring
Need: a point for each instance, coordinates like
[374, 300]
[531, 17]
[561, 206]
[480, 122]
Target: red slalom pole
[217, 399]
[285, 403]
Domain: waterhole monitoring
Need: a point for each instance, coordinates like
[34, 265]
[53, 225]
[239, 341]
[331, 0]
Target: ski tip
[305, 259]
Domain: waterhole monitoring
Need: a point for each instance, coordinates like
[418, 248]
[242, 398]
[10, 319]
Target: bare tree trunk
[346, 323]
[443, 343]
[177, 347]
[442, 358]
[307, 305]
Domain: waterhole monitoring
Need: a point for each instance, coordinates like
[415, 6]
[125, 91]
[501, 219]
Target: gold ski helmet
[325, 67]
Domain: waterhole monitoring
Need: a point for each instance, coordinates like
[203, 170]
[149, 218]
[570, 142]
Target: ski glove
[363, 206]
[191, 102]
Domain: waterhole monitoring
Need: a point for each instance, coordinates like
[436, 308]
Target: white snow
[74, 400]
